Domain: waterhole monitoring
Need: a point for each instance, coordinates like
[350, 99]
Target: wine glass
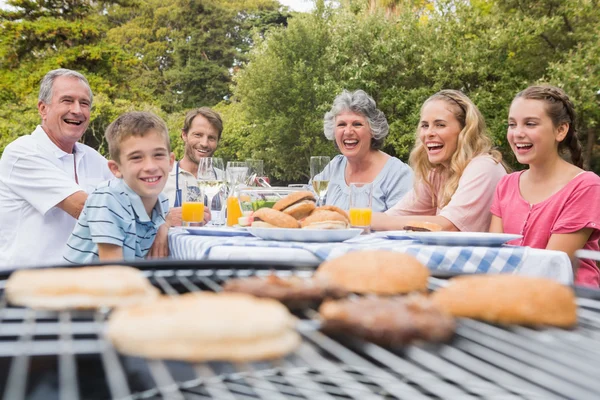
[211, 179]
[320, 175]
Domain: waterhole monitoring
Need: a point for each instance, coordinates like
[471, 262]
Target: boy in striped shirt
[121, 217]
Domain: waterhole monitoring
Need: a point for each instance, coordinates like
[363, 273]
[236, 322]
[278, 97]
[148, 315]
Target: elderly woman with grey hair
[358, 129]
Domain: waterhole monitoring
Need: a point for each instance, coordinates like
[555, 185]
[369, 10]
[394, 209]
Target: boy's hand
[206, 215]
[174, 216]
[160, 247]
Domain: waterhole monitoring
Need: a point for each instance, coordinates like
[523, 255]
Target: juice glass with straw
[361, 195]
[192, 206]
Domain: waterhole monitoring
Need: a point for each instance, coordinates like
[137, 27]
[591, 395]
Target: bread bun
[509, 299]
[81, 288]
[293, 198]
[203, 327]
[274, 218]
[301, 209]
[375, 271]
[320, 219]
[334, 208]
[422, 226]
[327, 225]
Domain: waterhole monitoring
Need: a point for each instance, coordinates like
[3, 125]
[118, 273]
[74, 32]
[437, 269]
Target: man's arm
[109, 252]
[73, 205]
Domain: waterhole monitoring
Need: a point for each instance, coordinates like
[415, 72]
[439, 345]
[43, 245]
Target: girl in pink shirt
[554, 204]
[456, 170]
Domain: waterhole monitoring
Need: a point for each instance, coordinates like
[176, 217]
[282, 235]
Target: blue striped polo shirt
[115, 214]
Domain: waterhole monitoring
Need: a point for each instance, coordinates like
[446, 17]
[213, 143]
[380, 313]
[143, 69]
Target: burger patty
[415, 229]
[388, 321]
[293, 292]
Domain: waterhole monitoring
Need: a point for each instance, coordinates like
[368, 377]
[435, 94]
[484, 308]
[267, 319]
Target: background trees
[273, 74]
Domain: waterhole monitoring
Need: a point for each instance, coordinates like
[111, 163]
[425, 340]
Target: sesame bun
[509, 299]
[334, 208]
[273, 219]
[293, 198]
[203, 327]
[324, 219]
[375, 271]
[422, 226]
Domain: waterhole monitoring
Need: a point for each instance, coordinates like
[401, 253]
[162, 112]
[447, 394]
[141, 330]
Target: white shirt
[35, 175]
[185, 178]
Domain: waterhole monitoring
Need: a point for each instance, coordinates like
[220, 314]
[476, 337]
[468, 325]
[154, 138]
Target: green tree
[189, 47]
[37, 36]
[488, 49]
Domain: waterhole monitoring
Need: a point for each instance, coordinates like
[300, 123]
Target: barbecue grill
[63, 355]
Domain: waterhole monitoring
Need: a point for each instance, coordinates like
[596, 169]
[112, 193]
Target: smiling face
[67, 116]
[144, 164]
[201, 140]
[438, 131]
[531, 133]
[352, 135]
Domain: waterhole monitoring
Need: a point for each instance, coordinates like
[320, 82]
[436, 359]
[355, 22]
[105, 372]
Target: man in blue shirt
[121, 217]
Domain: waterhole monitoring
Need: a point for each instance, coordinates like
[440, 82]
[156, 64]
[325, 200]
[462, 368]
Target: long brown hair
[561, 110]
[473, 140]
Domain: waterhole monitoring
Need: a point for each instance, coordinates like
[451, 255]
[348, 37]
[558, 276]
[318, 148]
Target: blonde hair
[134, 123]
[473, 140]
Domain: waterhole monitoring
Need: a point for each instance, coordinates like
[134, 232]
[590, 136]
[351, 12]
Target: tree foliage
[273, 74]
[489, 49]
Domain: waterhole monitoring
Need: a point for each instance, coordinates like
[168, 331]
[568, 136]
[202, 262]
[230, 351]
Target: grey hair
[361, 103]
[45, 95]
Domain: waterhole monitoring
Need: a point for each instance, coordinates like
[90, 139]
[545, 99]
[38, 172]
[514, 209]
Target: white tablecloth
[505, 259]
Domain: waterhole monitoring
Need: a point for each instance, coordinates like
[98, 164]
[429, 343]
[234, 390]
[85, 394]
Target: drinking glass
[361, 196]
[236, 175]
[192, 206]
[256, 172]
[320, 175]
[211, 179]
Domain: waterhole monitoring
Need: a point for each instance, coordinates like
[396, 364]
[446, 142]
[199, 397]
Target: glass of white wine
[320, 175]
[211, 179]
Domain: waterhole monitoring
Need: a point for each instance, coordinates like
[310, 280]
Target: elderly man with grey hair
[45, 177]
[358, 129]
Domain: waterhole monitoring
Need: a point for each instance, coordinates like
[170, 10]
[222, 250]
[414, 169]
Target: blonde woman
[456, 169]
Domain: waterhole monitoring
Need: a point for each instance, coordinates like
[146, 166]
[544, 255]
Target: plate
[456, 238]
[216, 231]
[305, 235]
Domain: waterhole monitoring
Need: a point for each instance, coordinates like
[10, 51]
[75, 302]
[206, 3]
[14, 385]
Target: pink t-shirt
[469, 207]
[576, 206]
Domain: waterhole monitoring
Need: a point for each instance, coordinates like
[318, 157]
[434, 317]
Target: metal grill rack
[49, 355]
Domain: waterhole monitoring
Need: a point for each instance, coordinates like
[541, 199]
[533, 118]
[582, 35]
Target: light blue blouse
[390, 185]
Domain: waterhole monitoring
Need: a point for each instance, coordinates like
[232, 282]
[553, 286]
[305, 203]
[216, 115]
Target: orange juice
[234, 211]
[192, 212]
[360, 216]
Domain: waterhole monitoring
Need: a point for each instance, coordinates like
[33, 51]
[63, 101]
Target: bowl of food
[254, 198]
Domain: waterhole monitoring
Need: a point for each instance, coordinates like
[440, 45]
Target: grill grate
[50, 355]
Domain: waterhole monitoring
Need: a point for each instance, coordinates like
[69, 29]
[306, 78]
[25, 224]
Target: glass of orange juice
[192, 206]
[361, 195]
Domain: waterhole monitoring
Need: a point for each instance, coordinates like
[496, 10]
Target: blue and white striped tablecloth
[505, 259]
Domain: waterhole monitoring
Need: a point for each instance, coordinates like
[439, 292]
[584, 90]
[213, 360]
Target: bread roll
[86, 287]
[509, 299]
[293, 198]
[324, 219]
[375, 271]
[334, 208]
[205, 326]
[274, 218]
